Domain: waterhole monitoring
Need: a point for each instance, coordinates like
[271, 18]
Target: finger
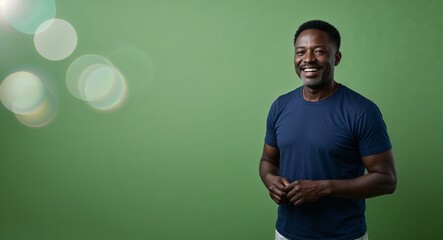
[290, 186]
[285, 181]
[298, 202]
[281, 201]
[282, 184]
[291, 193]
[276, 189]
[277, 199]
[293, 190]
[294, 183]
[280, 194]
[280, 188]
[294, 196]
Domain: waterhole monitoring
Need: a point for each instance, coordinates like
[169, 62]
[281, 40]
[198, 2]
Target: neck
[317, 94]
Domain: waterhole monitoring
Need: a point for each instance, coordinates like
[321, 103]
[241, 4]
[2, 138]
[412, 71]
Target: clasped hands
[296, 193]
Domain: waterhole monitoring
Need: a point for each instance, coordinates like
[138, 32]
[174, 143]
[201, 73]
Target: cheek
[297, 61]
[296, 64]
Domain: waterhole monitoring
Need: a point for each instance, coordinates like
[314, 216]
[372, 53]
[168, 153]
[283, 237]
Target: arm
[380, 179]
[269, 173]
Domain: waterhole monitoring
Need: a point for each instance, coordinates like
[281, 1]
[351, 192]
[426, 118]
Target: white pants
[278, 236]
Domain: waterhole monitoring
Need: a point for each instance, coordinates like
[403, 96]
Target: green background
[179, 160]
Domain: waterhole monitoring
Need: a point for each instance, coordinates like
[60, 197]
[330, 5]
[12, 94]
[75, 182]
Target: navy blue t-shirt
[324, 140]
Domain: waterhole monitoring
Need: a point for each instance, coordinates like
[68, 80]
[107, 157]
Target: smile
[311, 69]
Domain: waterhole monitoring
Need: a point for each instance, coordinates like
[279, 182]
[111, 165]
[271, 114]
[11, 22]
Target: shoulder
[356, 102]
[356, 97]
[283, 103]
[287, 98]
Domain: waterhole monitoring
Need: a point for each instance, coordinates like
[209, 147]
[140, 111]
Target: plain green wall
[180, 159]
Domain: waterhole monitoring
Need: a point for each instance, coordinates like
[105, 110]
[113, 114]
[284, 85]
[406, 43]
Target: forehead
[313, 37]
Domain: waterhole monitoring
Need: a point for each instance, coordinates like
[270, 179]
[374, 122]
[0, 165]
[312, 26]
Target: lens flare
[41, 116]
[75, 70]
[25, 94]
[105, 88]
[56, 39]
[22, 92]
[27, 15]
[93, 78]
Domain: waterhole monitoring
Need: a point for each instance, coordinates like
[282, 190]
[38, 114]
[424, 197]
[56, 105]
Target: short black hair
[326, 27]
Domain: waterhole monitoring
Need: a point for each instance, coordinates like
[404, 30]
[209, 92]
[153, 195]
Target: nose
[309, 57]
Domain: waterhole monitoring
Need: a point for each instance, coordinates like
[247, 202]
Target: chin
[312, 83]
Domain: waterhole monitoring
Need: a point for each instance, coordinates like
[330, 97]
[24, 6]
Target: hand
[276, 187]
[304, 191]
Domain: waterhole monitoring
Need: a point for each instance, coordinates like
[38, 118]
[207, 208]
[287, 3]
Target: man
[320, 138]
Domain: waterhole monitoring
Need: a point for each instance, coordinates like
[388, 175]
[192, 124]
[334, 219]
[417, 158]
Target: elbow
[392, 185]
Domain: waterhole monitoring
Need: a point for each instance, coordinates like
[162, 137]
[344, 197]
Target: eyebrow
[316, 46]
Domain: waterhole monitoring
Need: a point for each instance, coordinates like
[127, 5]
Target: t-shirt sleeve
[372, 133]
[271, 137]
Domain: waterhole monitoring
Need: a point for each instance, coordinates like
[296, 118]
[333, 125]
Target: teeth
[310, 69]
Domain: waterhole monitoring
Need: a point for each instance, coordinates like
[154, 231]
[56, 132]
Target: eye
[320, 51]
[299, 52]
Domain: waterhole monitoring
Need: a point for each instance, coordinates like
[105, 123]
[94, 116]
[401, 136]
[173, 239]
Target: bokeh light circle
[27, 15]
[26, 95]
[74, 81]
[22, 92]
[42, 115]
[105, 88]
[56, 39]
[94, 79]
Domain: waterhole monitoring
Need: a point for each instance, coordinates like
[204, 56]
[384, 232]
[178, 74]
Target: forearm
[366, 186]
[270, 175]
[267, 170]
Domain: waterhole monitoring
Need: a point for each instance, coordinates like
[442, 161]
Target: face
[315, 58]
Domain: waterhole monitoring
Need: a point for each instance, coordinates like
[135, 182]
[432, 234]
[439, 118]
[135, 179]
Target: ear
[337, 58]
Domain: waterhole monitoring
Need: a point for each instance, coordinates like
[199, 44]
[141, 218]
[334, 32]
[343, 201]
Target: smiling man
[320, 139]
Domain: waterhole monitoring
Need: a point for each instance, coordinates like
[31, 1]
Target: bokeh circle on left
[27, 15]
[42, 115]
[22, 92]
[26, 95]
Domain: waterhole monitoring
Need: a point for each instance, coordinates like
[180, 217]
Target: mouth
[310, 69]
